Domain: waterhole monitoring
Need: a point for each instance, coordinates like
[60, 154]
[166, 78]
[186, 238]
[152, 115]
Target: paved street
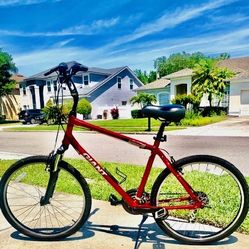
[103, 148]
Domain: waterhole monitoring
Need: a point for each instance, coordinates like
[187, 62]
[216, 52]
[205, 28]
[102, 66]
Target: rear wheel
[22, 188]
[220, 186]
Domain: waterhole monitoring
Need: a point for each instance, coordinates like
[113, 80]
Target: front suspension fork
[52, 168]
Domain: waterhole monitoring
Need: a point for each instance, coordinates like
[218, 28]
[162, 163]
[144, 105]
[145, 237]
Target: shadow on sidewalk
[150, 234]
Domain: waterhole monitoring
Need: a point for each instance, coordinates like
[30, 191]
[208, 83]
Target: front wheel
[220, 186]
[22, 189]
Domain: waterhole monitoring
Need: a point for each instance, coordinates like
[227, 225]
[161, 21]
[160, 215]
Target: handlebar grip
[83, 68]
[51, 71]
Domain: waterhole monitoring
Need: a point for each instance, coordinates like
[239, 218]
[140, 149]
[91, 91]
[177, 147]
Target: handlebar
[66, 71]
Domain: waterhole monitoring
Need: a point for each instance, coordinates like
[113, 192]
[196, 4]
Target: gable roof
[17, 77]
[86, 91]
[238, 65]
[97, 70]
[157, 84]
[117, 71]
[180, 73]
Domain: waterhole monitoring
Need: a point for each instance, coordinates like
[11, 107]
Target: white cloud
[171, 20]
[95, 27]
[235, 42]
[63, 43]
[23, 2]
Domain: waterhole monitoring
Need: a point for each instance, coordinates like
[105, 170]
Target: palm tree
[143, 99]
[210, 79]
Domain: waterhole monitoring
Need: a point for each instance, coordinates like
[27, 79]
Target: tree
[176, 62]
[143, 99]
[7, 68]
[84, 107]
[210, 79]
[144, 77]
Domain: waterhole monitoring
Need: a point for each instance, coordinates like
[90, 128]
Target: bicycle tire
[217, 199]
[26, 194]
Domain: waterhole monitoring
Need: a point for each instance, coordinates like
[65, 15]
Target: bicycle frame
[136, 203]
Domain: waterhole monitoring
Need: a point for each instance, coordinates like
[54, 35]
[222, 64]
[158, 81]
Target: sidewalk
[233, 126]
[111, 227]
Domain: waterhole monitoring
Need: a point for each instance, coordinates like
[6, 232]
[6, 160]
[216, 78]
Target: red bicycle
[197, 200]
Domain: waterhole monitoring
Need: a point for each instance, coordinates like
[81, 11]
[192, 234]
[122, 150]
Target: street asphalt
[111, 227]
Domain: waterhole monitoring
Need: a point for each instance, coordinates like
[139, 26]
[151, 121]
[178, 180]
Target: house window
[55, 85]
[86, 80]
[119, 82]
[24, 90]
[124, 102]
[49, 85]
[163, 98]
[131, 83]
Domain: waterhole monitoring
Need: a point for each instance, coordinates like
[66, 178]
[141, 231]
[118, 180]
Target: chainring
[132, 193]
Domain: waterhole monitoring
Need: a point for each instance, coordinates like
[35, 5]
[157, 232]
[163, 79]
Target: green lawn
[130, 125]
[101, 190]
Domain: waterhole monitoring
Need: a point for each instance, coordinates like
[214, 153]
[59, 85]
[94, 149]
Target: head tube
[74, 93]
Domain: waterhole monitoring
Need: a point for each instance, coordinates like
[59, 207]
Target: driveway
[233, 126]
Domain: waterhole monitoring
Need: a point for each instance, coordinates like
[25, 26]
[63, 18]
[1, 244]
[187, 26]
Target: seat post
[159, 137]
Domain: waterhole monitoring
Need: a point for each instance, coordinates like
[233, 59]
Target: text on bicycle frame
[94, 164]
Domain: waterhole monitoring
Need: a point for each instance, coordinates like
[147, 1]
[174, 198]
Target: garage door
[244, 103]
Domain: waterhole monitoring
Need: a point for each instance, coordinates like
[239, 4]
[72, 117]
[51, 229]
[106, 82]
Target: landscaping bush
[208, 111]
[137, 113]
[186, 99]
[84, 107]
[115, 113]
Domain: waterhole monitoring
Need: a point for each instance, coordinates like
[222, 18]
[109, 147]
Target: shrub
[136, 113]
[115, 113]
[186, 99]
[208, 111]
[53, 113]
[84, 107]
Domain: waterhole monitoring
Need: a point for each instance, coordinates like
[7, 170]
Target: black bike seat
[170, 113]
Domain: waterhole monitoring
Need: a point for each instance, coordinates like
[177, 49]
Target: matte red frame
[70, 139]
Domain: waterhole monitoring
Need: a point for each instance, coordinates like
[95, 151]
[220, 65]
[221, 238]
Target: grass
[200, 121]
[131, 125]
[101, 190]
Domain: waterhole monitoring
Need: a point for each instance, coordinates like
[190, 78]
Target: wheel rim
[23, 193]
[225, 202]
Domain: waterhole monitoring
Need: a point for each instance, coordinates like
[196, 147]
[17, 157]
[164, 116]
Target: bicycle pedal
[114, 200]
[161, 213]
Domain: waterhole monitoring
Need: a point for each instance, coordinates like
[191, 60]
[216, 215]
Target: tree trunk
[210, 100]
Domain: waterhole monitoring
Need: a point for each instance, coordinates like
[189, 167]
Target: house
[160, 88]
[103, 88]
[169, 86]
[237, 94]
[10, 103]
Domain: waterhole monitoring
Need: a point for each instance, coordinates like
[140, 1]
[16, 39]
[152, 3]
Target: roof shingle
[157, 84]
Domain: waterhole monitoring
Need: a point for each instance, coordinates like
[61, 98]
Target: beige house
[10, 104]
[236, 97]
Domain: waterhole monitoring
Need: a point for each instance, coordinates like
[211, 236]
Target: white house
[103, 88]
[236, 97]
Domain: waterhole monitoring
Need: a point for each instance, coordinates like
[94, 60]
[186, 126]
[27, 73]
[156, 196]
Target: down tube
[100, 169]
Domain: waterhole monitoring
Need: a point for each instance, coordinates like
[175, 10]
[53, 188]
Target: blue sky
[111, 33]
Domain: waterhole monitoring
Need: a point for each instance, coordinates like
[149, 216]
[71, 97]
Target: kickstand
[144, 218]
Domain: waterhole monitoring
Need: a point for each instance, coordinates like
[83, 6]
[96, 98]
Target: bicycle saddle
[171, 113]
